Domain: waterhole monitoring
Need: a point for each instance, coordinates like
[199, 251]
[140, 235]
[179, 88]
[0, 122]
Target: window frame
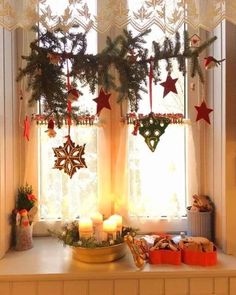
[109, 191]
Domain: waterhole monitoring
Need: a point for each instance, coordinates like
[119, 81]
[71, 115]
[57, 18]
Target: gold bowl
[100, 254]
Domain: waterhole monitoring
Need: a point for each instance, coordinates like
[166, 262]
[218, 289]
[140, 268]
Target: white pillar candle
[85, 227]
[118, 219]
[97, 219]
[109, 227]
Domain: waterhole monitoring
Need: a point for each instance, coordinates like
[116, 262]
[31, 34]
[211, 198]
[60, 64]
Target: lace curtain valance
[101, 15]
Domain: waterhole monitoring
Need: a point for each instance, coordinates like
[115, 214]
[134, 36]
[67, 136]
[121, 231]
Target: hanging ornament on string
[194, 41]
[136, 127]
[26, 133]
[73, 95]
[132, 57]
[54, 58]
[169, 85]
[69, 156]
[151, 127]
[50, 131]
[203, 112]
[102, 101]
[210, 62]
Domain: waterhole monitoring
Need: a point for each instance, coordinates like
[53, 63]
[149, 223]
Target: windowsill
[50, 260]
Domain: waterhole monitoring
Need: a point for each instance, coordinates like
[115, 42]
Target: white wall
[219, 169]
[9, 155]
[230, 129]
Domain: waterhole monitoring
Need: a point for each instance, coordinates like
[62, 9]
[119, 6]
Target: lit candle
[85, 227]
[109, 227]
[118, 219]
[97, 219]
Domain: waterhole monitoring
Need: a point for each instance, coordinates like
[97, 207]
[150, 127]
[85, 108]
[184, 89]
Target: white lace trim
[169, 15]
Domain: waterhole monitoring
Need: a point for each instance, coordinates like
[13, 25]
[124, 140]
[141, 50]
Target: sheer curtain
[168, 15]
[157, 181]
[60, 196]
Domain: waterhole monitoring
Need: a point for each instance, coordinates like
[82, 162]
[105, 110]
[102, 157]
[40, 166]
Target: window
[156, 181]
[215, 173]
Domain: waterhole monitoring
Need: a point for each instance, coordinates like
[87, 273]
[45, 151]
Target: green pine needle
[47, 81]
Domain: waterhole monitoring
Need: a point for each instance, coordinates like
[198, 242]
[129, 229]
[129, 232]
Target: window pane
[60, 196]
[157, 180]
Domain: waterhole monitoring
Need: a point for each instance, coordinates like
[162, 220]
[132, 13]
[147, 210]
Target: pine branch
[47, 80]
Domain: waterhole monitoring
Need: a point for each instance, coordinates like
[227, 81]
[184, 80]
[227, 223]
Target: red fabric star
[102, 101]
[169, 85]
[203, 112]
[26, 128]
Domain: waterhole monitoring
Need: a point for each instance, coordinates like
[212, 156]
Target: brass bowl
[100, 254]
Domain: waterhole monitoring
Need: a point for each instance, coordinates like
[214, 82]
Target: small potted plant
[22, 218]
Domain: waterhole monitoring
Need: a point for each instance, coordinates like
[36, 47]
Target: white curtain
[169, 15]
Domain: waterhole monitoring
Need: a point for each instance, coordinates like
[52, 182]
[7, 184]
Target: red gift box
[199, 258]
[164, 257]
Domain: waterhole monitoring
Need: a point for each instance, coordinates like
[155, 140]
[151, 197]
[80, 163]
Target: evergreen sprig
[69, 235]
[47, 81]
[23, 200]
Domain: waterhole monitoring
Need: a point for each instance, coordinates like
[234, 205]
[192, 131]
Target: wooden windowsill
[49, 260]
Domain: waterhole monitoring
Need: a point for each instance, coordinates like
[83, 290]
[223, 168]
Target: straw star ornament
[69, 157]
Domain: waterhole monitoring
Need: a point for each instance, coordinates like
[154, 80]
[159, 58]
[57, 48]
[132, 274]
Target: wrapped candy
[164, 243]
[200, 244]
[137, 251]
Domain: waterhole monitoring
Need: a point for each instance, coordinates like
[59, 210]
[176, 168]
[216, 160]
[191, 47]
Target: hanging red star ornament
[102, 101]
[169, 85]
[203, 112]
[69, 157]
[26, 128]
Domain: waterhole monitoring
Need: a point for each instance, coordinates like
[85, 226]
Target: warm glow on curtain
[169, 15]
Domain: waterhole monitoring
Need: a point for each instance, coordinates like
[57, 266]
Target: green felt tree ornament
[152, 128]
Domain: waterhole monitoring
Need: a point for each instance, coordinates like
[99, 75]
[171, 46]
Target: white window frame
[108, 173]
[108, 189]
[217, 177]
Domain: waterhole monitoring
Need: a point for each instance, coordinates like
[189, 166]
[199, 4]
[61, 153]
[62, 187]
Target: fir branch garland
[47, 80]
